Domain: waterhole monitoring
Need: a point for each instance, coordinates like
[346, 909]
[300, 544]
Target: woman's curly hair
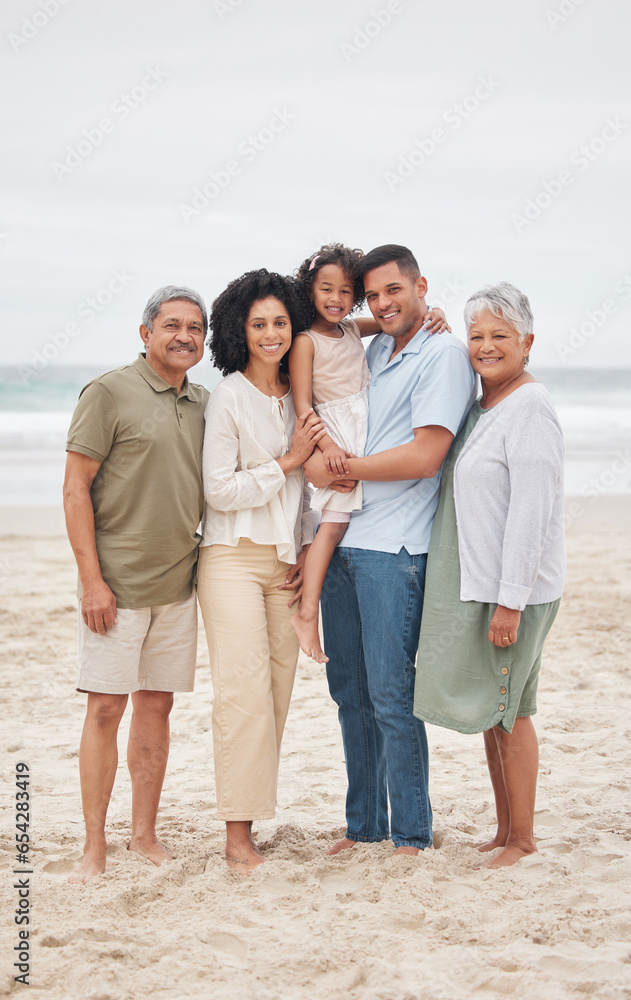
[333, 253]
[230, 310]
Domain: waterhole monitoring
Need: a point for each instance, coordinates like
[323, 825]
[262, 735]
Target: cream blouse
[246, 493]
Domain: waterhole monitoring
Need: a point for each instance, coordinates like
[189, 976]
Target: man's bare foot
[509, 856]
[151, 850]
[243, 858]
[342, 845]
[91, 864]
[308, 636]
[407, 849]
[492, 845]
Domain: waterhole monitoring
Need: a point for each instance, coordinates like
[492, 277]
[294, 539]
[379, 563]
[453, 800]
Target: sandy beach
[364, 925]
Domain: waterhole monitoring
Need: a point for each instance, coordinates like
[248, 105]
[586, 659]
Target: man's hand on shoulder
[98, 607]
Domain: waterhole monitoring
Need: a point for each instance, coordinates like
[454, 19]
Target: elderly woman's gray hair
[504, 301]
[172, 293]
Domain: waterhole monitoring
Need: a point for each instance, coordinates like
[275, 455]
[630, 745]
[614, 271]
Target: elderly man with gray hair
[133, 501]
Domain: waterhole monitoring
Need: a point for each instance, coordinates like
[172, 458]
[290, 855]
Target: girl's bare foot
[307, 631]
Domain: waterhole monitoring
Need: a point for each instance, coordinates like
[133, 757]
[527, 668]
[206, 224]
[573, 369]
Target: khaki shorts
[149, 649]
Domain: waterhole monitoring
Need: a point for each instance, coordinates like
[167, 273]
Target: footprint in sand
[277, 887]
[228, 943]
[337, 885]
[59, 866]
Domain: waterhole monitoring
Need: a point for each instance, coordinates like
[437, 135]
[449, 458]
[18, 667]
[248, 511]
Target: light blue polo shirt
[429, 382]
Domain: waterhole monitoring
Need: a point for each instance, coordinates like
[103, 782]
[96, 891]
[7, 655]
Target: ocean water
[594, 408]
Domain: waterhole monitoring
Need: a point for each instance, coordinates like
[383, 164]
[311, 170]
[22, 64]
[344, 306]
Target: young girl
[328, 370]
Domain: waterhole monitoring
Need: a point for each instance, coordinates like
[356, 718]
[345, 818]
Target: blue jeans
[371, 613]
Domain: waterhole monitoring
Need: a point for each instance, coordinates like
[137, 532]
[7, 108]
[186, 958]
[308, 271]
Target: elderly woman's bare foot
[342, 845]
[492, 845]
[309, 638]
[152, 850]
[509, 856]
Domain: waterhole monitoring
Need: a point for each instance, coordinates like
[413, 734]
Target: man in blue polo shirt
[421, 389]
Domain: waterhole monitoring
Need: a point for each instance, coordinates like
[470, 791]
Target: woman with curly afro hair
[257, 528]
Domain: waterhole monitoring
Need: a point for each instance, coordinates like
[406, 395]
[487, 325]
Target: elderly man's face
[176, 342]
[396, 301]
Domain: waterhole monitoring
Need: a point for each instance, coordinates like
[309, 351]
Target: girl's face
[332, 293]
[268, 331]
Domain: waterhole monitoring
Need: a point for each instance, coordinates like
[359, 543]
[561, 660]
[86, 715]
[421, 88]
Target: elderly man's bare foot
[407, 849]
[92, 863]
[342, 845]
[492, 845]
[309, 638]
[151, 850]
[509, 856]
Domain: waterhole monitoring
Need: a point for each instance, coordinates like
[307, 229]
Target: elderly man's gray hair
[504, 301]
[171, 293]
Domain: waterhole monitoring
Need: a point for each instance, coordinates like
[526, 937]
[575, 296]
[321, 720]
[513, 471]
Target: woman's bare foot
[509, 856]
[243, 858]
[309, 638]
[342, 845]
[241, 853]
[408, 849]
[152, 850]
[492, 845]
[92, 863]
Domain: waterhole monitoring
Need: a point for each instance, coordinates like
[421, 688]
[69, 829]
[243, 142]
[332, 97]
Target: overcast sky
[149, 143]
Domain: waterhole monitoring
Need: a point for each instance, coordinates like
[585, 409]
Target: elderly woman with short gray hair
[496, 565]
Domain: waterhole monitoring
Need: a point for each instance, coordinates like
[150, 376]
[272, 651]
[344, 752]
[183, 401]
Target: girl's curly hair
[230, 310]
[333, 253]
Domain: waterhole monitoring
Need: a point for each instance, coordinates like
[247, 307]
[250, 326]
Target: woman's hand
[308, 430]
[503, 627]
[295, 577]
[437, 322]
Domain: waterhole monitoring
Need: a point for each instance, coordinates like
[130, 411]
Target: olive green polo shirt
[147, 495]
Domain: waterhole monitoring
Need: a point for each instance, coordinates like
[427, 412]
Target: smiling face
[495, 350]
[396, 301]
[332, 296]
[176, 342]
[267, 333]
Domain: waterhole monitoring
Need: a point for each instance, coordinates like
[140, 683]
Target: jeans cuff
[412, 843]
[361, 839]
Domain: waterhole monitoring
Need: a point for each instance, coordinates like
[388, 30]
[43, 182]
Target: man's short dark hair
[406, 260]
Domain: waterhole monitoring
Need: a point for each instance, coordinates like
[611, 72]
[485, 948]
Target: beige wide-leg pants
[253, 655]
